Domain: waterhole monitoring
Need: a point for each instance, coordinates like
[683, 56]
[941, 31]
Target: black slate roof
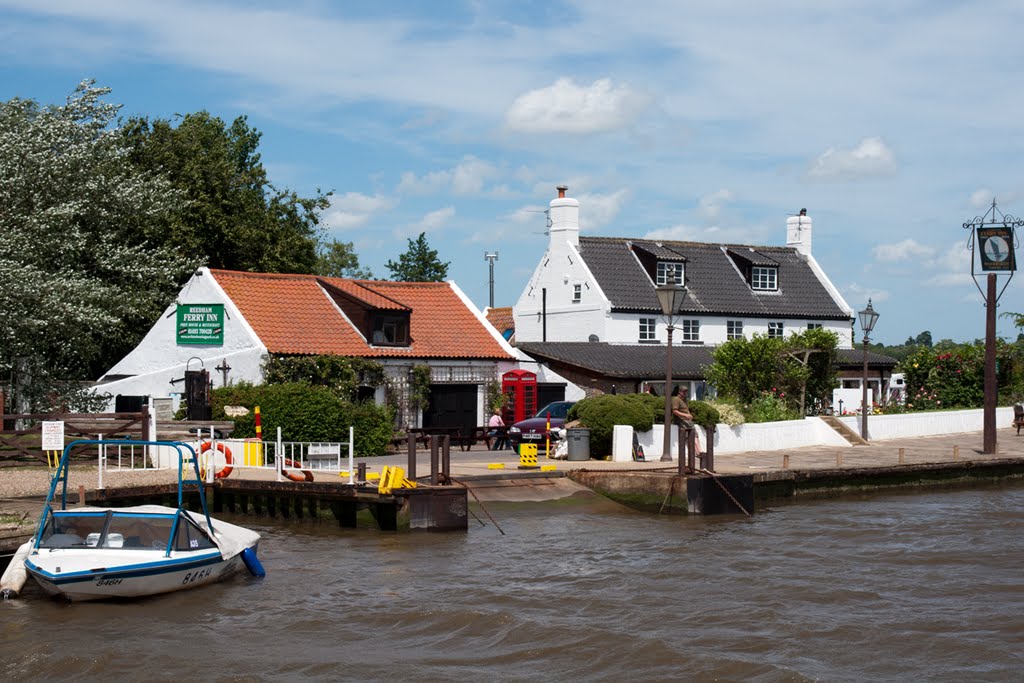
[714, 278]
[647, 361]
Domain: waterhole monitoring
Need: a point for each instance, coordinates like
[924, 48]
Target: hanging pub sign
[996, 245]
[200, 324]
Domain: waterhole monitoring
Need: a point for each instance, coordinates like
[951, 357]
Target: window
[734, 329]
[762, 277]
[390, 330]
[691, 330]
[664, 270]
[647, 329]
[577, 293]
[775, 330]
[814, 326]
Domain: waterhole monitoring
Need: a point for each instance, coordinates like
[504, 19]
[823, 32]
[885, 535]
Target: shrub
[704, 414]
[305, 413]
[728, 413]
[600, 414]
[770, 406]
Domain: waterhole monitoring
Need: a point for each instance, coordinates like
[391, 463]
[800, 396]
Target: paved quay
[22, 489]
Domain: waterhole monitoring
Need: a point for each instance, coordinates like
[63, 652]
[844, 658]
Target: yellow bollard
[528, 456]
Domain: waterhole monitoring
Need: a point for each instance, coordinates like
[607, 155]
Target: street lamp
[670, 296]
[868, 318]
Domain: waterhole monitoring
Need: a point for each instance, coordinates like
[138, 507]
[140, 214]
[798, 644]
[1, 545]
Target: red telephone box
[520, 389]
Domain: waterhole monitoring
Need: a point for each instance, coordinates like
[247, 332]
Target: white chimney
[798, 232]
[565, 220]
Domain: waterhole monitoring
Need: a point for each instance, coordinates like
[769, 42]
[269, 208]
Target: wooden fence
[24, 444]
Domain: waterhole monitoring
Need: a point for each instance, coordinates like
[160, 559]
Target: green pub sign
[200, 324]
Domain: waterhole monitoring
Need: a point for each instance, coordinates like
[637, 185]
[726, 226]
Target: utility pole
[491, 257]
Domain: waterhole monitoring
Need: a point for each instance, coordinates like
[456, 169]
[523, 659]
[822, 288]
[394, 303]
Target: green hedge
[305, 413]
[600, 414]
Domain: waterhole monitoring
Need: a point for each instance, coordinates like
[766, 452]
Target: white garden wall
[812, 431]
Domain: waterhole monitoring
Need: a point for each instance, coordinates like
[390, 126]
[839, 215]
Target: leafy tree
[81, 278]
[233, 217]
[419, 263]
[339, 259]
[797, 369]
[924, 339]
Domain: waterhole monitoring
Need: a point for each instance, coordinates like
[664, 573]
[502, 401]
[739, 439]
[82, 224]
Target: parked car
[534, 429]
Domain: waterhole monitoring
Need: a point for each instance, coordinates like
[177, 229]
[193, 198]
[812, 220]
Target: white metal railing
[276, 456]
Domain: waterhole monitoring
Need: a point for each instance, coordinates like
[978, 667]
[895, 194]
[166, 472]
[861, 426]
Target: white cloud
[907, 250]
[565, 107]
[354, 209]
[468, 177]
[597, 210]
[858, 292]
[710, 205]
[981, 199]
[435, 219]
[871, 158]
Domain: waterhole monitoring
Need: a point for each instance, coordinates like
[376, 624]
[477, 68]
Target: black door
[549, 393]
[452, 405]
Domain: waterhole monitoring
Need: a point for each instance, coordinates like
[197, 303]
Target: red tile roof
[501, 319]
[293, 314]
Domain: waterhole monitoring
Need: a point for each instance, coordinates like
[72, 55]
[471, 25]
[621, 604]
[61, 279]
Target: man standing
[681, 416]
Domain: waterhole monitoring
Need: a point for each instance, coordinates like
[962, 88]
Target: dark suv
[534, 429]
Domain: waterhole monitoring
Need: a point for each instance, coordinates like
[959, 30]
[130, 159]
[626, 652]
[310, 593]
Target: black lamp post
[868, 318]
[670, 296]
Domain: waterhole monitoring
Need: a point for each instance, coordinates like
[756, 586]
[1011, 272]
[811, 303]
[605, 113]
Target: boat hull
[135, 580]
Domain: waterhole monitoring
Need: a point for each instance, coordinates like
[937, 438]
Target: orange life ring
[301, 475]
[223, 471]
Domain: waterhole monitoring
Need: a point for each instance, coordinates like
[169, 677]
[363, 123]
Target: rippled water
[900, 587]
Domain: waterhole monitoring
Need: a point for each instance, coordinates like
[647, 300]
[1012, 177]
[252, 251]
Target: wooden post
[785, 461]
[81, 494]
[956, 453]
[902, 454]
[411, 451]
[839, 459]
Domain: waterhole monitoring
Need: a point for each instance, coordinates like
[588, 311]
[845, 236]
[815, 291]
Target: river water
[925, 586]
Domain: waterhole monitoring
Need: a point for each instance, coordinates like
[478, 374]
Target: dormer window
[764, 278]
[669, 273]
[390, 329]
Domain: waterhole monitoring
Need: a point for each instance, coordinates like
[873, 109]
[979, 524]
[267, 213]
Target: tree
[234, 217]
[924, 339]
[797, 369]
[81, 280]
[339, 259]
[419, 263]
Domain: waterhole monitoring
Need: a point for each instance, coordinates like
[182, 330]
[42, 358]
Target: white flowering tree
[79, 284]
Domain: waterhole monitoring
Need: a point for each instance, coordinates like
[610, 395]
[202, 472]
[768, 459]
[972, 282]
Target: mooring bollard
[785, 461]
[361, 472]
[839, 459]
[81, 494]
[902, 454]
[956, 453]
[435, 443]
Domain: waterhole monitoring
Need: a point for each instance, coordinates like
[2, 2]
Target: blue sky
[892, 122]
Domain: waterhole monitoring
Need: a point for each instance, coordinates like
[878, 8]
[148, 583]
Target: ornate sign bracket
[995, 235]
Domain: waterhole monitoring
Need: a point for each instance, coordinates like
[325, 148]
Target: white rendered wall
[159, 358]
[931, 423]
[624, 328]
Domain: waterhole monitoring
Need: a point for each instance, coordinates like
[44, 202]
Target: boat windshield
[110, 529]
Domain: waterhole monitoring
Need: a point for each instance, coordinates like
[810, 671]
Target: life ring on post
[223, 471]
[301, 475]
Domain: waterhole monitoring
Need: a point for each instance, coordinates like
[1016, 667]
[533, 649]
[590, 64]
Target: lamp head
[868, 318]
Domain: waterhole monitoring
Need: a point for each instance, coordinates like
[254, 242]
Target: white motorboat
[94, 553]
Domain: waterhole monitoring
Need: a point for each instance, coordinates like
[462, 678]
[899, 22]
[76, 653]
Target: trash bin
[579, 444]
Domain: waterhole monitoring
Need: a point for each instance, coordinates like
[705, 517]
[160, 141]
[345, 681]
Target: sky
[893, 123]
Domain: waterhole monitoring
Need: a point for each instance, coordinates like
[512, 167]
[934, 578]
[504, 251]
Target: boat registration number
[109, 582]
[195, 576]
